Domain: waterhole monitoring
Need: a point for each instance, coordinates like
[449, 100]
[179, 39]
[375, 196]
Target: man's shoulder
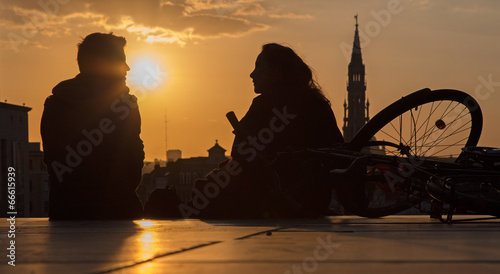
[57, 89]
[50, 101]
[63, 85]
[258, 98]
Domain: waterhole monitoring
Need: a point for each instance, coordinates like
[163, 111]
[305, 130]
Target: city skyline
[191, 60]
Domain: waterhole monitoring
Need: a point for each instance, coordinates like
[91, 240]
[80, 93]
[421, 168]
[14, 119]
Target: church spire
[357, 106]
[356, 47]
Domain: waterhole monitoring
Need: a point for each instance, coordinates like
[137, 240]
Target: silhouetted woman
[290, 112]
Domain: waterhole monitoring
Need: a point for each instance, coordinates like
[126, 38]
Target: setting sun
[147, 74]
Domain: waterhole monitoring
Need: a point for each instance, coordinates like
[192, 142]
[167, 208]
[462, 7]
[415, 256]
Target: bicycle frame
[410, 176]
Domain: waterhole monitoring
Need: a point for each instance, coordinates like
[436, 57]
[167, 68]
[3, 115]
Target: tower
[216, 153]
[356, 108]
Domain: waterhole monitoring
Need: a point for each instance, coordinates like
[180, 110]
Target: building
[216, 154]
[14, 153]
[180, 174]
[150, 166]
[357, 106]
[38, 183]
[173, 155]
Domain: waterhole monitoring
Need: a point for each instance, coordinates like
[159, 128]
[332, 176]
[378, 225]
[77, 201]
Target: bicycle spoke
[419, 139]
[450, 146]
[388, 135]
[433, 129]
[449, 126]
[446, 137]
[433, 109]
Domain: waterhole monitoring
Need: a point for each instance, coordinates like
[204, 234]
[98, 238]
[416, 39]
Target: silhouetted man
[90, 130]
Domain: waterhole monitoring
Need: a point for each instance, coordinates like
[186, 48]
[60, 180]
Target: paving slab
[344, 244]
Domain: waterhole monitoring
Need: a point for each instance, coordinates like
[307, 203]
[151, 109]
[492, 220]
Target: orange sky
[191, 59]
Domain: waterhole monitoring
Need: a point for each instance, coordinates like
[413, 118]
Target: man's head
[103, 53]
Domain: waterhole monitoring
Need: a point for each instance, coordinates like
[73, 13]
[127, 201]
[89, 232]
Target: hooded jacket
[94, 155]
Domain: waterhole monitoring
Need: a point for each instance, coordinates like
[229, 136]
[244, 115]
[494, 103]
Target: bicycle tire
[392, 112]
[414, 100]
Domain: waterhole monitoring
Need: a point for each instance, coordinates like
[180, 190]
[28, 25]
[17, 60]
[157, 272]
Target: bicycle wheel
[425, 125]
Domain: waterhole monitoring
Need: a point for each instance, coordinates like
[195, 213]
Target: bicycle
[419, 152]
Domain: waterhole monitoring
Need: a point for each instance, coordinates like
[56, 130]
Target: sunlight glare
[147, 240]
[147, 74]
[145, 223]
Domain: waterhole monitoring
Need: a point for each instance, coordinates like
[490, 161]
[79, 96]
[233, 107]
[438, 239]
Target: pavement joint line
[156, 257]
[430, 222]
[386, 231]
[457, 261]
[187, 249]
[474, 219]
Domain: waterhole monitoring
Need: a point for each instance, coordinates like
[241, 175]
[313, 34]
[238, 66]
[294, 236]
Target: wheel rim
[432, 124]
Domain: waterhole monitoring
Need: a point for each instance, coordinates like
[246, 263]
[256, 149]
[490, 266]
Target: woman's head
[279, 66]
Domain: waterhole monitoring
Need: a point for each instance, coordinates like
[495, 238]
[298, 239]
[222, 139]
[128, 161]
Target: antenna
[166, 133]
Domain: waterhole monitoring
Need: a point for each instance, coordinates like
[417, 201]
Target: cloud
[178, 21]
[26, 22]
[462, 16]
[24, 26]
[291, 15]
[253, 9]
[422, 4]
[458, 6]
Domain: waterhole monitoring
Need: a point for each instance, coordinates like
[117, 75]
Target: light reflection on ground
[147, 240]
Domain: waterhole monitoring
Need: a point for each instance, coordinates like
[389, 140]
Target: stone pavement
[347, 244]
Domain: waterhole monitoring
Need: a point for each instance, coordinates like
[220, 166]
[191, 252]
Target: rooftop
[6, 105]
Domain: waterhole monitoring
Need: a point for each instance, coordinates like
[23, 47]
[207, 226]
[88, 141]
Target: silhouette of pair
[94, 155]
